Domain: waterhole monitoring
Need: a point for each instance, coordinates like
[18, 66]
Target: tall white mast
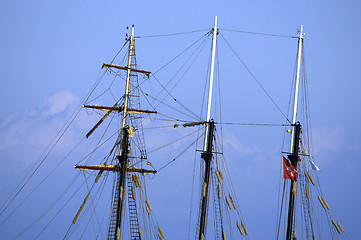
[299, 57]
[214, 42]
[207, 149]
[126, 96]
[293, 156]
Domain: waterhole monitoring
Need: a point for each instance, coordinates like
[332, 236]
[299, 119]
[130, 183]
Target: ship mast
[293, 157]
[207, 148]
[123, 157]
[122, 168]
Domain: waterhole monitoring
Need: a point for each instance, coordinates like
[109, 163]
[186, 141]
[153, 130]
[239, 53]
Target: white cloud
[59, 102]
[4, 122]
[328, 138]
[233, 141]
[24, 135]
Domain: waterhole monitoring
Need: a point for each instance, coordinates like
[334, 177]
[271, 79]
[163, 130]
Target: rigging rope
[92, 203]
[66, 203]
[48, 209]
[195, 116]
[199, 49]
[72, 226]
[98, 146]
[116, 55]
[177, 140]
[182, 105]
[171, 34]
[193, 181]
[254, 77]
[256, 124]
[181, 153]
[258, 33]
[162, 102]
[181, 53]
[47, 151]
[37, 186]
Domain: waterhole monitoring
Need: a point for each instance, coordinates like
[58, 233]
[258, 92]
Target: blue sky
[51, 55]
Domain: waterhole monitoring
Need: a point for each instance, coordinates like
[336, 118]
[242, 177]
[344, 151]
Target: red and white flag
[289, 171]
